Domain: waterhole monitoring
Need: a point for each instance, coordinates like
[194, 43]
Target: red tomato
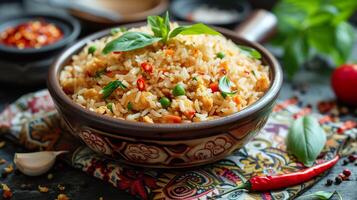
[140, 83]
[344, 83]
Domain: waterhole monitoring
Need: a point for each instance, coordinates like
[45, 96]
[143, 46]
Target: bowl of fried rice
[165, 95]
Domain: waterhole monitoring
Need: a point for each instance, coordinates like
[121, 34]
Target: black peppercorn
[338, 180]
[345, 162]
[329, 182]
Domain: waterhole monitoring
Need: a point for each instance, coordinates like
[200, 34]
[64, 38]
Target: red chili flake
[189, 114]
[140, 83]
[342, 176]
[347, 172]
[147, 67]
[302, 112]
[325, 119]
[285, 104]
[352, 157]
[346, 126]
[117, 52]
[7, 193]
[31, 34]
[325, 106]
[214, 87]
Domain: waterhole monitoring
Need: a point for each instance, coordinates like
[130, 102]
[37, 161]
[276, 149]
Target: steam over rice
[188, 60]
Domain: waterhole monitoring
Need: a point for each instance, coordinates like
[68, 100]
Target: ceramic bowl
[164, 145]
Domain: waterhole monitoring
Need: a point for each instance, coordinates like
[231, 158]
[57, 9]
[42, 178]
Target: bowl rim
[72, 23]
[159, 8]
[61, 98]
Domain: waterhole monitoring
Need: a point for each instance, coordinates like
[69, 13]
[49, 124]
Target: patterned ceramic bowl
[165, 145]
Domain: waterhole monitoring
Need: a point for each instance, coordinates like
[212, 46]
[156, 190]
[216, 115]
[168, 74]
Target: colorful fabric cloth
[33, 122]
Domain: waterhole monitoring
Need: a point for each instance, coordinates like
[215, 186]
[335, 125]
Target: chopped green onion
[109, 89]
[194, 78]
[224, 86]
[165, 102]
[178, 90]
[220, 55]
[130, 106]
[110, 106]
[92, 49]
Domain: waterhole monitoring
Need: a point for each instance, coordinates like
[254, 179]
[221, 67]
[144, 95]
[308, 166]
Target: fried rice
[188, 60]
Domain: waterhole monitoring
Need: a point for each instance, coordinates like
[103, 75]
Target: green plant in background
[307, 28]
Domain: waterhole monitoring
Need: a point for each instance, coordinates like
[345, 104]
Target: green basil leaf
[193, 30]
[306, 139]
[160, 26]
[296, 53]
[109, 89]
[224, 85]
[320, 195]
[250, 52]
[344, 40]
[155, 23]
[130, 41]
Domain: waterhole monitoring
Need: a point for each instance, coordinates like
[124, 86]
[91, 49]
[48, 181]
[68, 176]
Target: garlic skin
[37, 163]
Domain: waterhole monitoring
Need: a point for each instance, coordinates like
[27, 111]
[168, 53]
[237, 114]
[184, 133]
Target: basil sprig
[160, 26]
[306, 139]
[224, 85]
[130, 41]
[109, 89]
[249, 52]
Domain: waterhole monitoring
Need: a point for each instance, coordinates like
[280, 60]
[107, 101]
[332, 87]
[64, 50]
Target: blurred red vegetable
[344, 83]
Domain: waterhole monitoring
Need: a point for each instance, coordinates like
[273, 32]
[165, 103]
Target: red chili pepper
[214, 87]
[140, 83]
[346, 126]
[266, 183]
[147, 67]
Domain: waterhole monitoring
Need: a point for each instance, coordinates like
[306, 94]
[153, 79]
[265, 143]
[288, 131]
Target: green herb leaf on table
[321, 195]
[316, 27]
[193, 30]
[130, 41]
[109, 89]
[306, 139]
[224, 85]
[250, 52]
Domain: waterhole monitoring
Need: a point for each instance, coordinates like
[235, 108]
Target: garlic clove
[37, 163]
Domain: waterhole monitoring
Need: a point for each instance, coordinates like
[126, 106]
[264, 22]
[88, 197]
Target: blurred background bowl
[219, 13]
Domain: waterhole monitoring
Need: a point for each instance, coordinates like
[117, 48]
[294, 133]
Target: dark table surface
[82, 187]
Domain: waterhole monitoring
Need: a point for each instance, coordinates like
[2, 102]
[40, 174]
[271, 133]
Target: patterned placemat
[33, 122]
